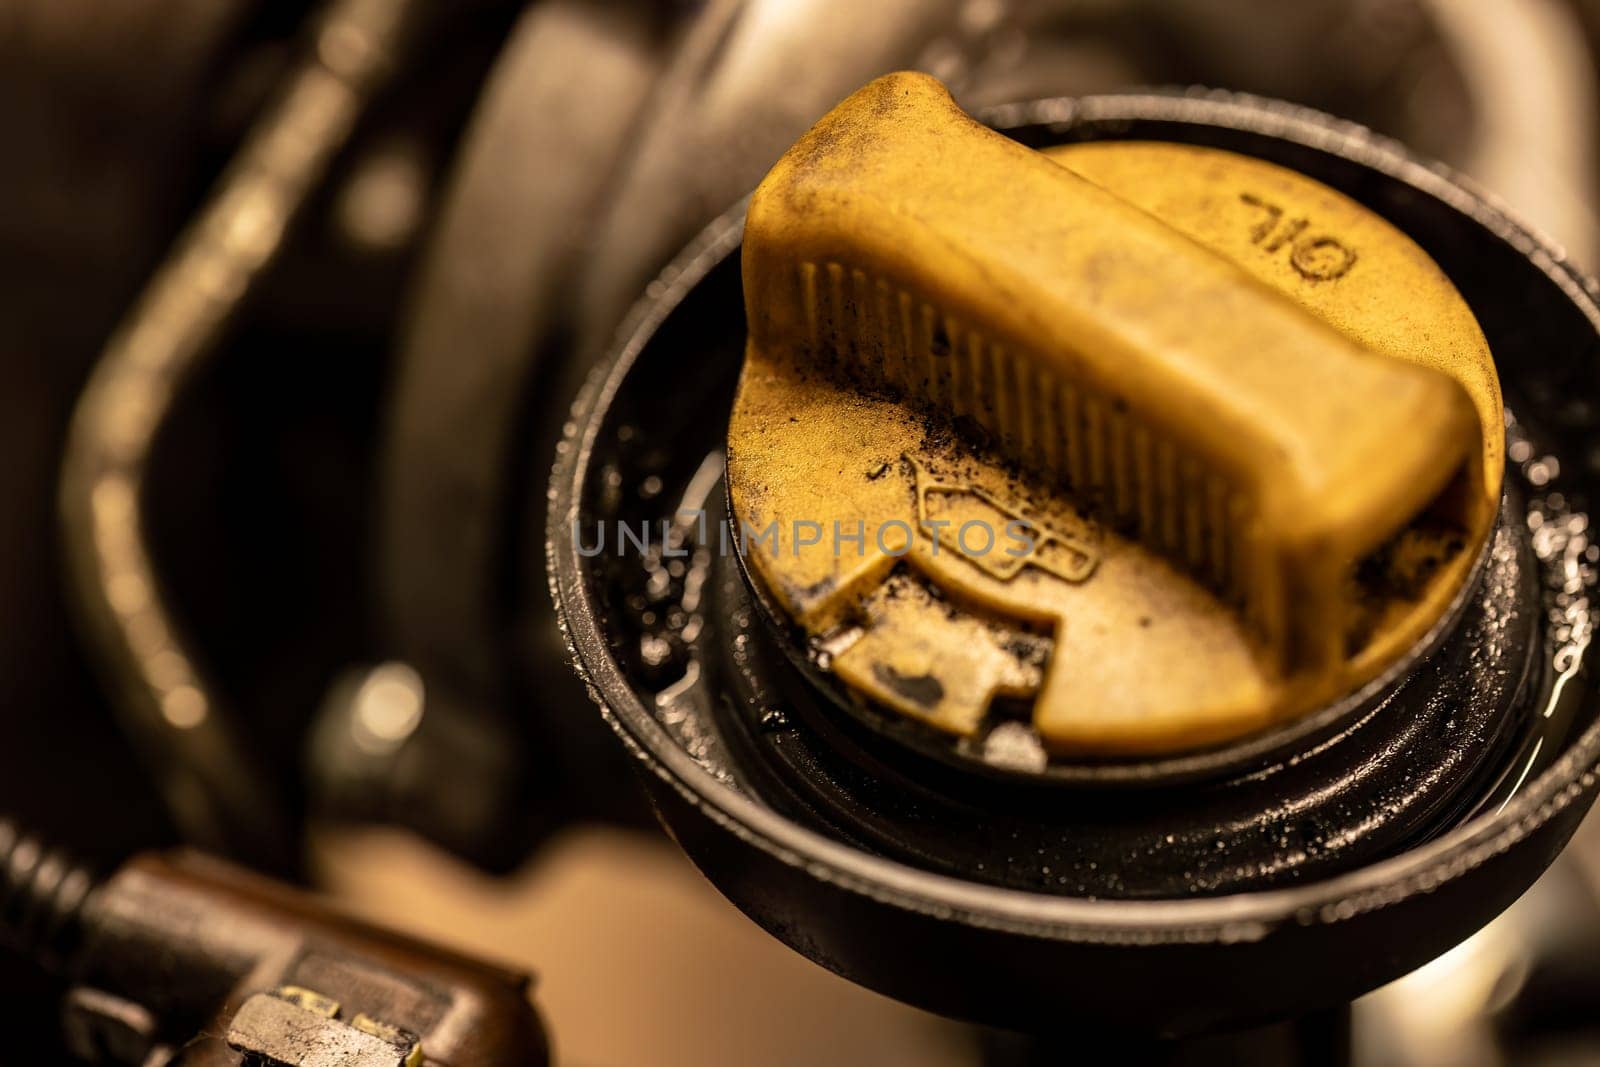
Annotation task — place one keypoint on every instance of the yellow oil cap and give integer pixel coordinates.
(1171, 443)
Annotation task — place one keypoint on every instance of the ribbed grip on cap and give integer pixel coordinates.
(909, 248)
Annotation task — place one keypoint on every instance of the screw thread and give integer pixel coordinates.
(42, 897)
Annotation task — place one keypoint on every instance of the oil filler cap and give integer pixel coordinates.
(1138, 447)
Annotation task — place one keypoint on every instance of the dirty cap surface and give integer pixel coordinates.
(1141, 454)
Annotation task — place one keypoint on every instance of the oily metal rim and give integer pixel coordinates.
(1239, 918)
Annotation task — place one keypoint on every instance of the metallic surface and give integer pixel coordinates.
(193, 942)
(288, 1028)
(217, 794)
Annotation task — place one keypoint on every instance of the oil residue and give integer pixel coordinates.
(664, 604)
(1567, 558)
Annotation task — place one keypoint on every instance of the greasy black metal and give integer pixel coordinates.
(1298, 885)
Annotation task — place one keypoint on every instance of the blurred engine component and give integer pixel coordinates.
(178, 959)
(218, 795)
